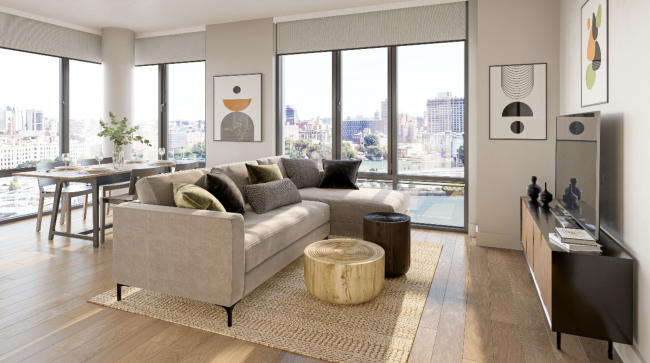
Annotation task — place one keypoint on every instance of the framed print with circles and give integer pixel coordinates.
(518, 102)
(237, 108)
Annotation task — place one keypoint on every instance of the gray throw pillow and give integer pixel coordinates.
(269, 196)
(302, 172)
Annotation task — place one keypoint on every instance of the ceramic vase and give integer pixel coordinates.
(545, 197)
(533, 189)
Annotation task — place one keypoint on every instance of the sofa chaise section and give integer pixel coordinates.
(348, 206)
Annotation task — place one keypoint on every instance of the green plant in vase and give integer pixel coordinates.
(121, 135)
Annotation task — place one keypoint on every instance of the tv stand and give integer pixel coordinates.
(582, 294)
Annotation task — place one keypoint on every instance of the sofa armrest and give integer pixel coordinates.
(190, 253)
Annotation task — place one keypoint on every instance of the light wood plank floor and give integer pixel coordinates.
(482, 307)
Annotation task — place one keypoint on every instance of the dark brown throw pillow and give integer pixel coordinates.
(225, 190)
(340, 174)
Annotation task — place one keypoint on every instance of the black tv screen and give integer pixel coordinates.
(577, 168)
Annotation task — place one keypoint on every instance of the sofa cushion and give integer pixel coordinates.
(267, 234)
(266, 197)
(277, 160)
(302, 172)
(194, 197)
(260, 174)
(157, 189)
(349, 205)
(223, 188)
(237, 172)
(340, 174)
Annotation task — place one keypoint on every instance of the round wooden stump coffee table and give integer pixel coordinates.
(344, 271)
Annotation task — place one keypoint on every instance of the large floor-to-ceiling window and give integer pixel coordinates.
(186, 111)
(87, 98)
(308, 133)
(48, 106)
(170, 110)
(364, 88)
(29, 125)
(399, 109)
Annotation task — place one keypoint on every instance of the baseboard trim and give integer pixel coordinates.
(496, 240)
(471, 229)
(628, 353)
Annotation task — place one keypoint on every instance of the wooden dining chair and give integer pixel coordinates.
(107, 188)
(136, 174)
(46, 187)
(187, 166)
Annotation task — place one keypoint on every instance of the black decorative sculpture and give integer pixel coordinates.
(545, 197)
(533, 189)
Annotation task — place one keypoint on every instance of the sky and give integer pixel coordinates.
(423, 72)
(32, 81)
(186, 92)
(29, 81)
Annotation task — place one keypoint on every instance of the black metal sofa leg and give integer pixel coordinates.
(119, 291)
(229, 312)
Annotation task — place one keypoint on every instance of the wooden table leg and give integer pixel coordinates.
(55, 209)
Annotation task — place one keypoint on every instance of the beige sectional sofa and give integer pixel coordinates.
(220, 257)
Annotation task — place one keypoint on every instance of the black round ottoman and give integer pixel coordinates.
(392, 231)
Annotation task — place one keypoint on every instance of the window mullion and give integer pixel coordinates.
(392, 112)
(162, 108)
(64, 105)
(336, 106)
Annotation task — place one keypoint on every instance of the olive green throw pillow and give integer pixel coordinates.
(194, 197)
(258, 174)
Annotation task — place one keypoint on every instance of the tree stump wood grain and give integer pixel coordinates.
(344, 271)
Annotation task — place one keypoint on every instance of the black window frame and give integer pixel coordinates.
(392, 173)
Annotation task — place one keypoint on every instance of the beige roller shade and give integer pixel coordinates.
(35, 36)
(422, 24)
(175, 48)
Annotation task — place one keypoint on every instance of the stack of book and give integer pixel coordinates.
(575, 240)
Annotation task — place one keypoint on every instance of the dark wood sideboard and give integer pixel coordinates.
(582, 294)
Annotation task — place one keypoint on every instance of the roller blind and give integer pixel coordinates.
(422, 24)
(35, 36)
(170, 49)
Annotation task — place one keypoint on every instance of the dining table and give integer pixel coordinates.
(95, 180)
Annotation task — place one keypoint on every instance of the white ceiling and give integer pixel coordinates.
(144, 16)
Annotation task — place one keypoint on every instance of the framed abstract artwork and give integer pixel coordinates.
(594, 47)
(238, 108)
(518, 102)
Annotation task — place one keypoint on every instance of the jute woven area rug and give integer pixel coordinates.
(282, 314)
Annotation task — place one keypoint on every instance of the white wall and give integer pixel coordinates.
(241, 48)
(118, 63)
(513, 32)
(472, 116)
(625, 128)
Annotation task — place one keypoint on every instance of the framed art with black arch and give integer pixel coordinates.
(237, 108)
(518, 102)
(594, 53)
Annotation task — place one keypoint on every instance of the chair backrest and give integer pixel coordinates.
(43, 182)
(87, 162)
(137, 174)
(187, 166)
